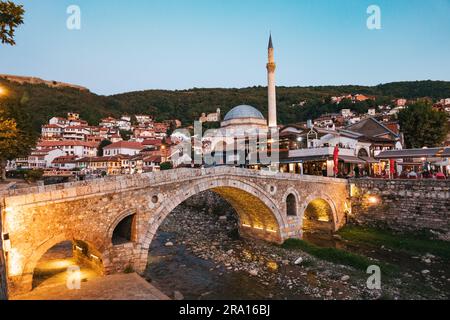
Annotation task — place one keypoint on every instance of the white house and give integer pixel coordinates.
(76, 133)
(71, 148)
(52, 131)
(140, 118)
(43, 158)
(59, 121)
(65, 162)
(123, 147)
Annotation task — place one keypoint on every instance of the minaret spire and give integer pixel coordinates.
(271, 67)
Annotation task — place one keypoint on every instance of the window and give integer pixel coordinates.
(291, 205)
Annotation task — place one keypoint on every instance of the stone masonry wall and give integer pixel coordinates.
(403, 205)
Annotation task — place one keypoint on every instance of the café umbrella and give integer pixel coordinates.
(392, 167)
(336, 160)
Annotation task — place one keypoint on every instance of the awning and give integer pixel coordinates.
(410, 163)
(350, 159)
(415, 153)
(442, 163)
(304, 159)
(369, 160)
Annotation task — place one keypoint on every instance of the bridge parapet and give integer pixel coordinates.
(114, 184)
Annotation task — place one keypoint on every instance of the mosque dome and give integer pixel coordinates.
(242, 112)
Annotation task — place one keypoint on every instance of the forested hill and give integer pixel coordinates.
(43, 102)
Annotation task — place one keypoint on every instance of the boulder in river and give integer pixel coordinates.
(177, 295)
(345, 278)
(253, 272)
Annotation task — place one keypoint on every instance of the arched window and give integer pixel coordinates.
(363, 153)
(124, 231)
(291, 205)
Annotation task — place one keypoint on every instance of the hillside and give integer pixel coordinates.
(43, 101)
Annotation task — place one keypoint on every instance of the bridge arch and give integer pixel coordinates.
(258, 214)
(319, 214)
(24, 278)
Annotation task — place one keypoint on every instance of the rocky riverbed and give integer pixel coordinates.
(198, 254)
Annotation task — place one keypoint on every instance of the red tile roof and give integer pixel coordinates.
(152, 142)
(77, 127)
(52, 126)
(155, 159)
(65, 143)
(103, 159)
(125, 145)
(65, 159)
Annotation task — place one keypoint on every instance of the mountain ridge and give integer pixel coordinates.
(44, 102)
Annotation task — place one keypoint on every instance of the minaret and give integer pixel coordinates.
(271, 66)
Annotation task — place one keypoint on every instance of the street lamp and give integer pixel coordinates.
(3, 92)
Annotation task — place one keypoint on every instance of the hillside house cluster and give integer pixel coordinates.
(71, 144)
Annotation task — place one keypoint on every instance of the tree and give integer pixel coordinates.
(126, 134)
(8, 134)
(16, 134)
(101, 146)
(166, 166)
(11, 16)
(423, 126)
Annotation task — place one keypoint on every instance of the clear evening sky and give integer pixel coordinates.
(179, 44)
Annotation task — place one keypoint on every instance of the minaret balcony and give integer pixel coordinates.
(271, 67)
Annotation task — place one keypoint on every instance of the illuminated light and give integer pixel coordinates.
(8, 210)
(247, 254)
(95, 257)
(79, 248)
(15, 263)
(353, 190)
(272, 231)
(299, 139)
(373, 200)
(259, 228)
(3, 91)
(323, 219)
(247, 225)
(347, 207)
(55, 265)
(272, 266)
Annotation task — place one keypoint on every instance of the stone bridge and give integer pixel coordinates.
(112, 221)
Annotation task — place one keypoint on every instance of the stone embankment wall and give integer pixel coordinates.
(403, 205)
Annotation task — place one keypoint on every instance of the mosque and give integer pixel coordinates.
(248, 117)
(244, 122)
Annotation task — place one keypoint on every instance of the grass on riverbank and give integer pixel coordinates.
(335, 255)
(411, 243)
